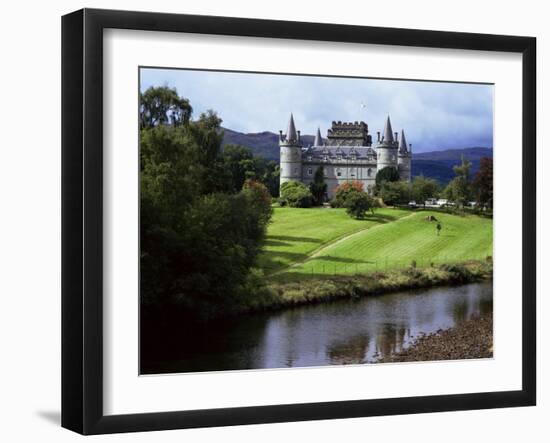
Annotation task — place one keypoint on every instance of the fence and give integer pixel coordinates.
(381, 264)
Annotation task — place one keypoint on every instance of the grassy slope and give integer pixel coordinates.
(308, 238)
(295, 234)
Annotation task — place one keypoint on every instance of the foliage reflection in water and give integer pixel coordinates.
(341, 332)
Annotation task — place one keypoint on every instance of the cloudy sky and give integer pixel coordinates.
(434, 115)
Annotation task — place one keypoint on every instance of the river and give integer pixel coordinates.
(340, 332)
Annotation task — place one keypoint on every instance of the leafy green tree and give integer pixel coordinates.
(259, 200)
(395, 193)
(459, 190)
(162, 105)
(240, 163)
(271, 177)
(483, 183)
(423, 188)
(296, 194)
(318, 188)
(387, 174)
(358, 203)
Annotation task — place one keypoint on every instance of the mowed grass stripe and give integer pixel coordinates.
(295, 233)
(398, 243)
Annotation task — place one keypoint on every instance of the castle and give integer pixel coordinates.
(346, 154)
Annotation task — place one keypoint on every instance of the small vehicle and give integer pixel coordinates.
(412, 204)
(431, 202)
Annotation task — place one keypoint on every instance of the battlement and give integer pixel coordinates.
(349, 134)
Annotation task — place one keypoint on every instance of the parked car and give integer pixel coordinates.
(412, 204)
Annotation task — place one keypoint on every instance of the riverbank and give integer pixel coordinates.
(278, 295)
(471, 339)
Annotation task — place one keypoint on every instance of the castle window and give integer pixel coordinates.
(309, 158)
(295, 170)
(338, 173)
(309, 171)
(369, 172)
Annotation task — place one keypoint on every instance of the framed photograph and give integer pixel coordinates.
(269, 221)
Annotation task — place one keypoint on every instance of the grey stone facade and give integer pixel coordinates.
(346, 154)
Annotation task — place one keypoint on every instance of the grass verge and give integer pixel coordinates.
(278, 294)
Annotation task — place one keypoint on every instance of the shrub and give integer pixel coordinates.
(296, 194)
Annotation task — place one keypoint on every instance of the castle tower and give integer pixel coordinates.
(291, 153)
(404, 159)
(386, 148)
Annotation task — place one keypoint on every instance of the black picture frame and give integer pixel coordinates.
(82, 218)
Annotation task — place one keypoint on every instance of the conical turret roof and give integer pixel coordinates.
(403, 143)
(388, 132)
(318, 139)
(291, 131)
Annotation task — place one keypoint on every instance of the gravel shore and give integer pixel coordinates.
(471, 339)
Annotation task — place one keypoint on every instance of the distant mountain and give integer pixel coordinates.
(436, 164)
(265, 144)
(439, 164)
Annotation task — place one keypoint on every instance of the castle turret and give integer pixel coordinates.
(404, 159)
(386, 148)
(318, 139)
(291, 153)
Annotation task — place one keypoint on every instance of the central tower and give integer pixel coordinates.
(291, 153)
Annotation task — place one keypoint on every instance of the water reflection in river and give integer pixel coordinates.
(343, 332)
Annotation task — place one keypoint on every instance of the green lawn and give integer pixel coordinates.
(295, 233)
(314, 242)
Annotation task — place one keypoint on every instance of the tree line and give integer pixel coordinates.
(390, 190)
(204, 210)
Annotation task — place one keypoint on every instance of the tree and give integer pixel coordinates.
(162, 105)
(395, 193)
(318, 188)
(423, 188)
(242, 165)
(296, 194)
(260, 201)
(459, 190)
(358, 203)
(343, 190)
(387, 174)
(239, 162)
(483, 183)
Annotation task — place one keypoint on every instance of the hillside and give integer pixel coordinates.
(435, 164)
(313, 242)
